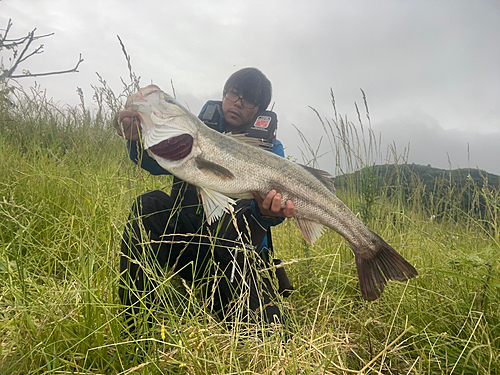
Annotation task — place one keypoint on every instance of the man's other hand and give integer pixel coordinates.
(128, 124)
(271, 205)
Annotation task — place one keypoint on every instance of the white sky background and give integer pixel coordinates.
(430, 68)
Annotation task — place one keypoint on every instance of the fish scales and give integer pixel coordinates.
(223, 167)
(289, 179)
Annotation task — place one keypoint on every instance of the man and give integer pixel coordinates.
(171, 229)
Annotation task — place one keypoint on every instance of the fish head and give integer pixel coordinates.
(168, 130)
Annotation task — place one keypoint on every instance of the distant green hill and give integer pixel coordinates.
(465, 189)
(429, 176)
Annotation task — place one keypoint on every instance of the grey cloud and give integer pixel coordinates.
(429, 143)
(435, 57)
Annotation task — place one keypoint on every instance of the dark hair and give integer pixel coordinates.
(252, 84)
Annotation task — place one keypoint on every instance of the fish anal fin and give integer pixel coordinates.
(375, 268)
(215, 204)
(214, 170)
(309, 229)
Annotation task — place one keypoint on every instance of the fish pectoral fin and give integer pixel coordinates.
(213, 170)
(310, 229)
(215, 204)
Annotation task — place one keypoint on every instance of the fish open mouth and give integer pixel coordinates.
(175, 148)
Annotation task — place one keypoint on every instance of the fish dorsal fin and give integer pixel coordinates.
(215, 204)
(251, 141)
(310, 230)
(325, 177)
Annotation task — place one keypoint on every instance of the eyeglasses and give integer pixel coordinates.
(233, 96)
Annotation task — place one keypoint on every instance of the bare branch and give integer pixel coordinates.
(29, 38)
(20, 58)
(20, 51)
(4, 37)
(74, 70)
(37, 51)
(10, 43)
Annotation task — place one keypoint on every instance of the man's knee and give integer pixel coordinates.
(149, 215)
(151, 202)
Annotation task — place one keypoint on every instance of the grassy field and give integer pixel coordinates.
(66, 186)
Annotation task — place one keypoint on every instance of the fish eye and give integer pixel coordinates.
(168, 98)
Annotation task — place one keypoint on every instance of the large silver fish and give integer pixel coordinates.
(223, 168)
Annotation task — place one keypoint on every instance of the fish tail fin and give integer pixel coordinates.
(381, 265)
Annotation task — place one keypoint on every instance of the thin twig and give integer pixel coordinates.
(73, 70)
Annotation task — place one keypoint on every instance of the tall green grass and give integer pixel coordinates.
(66, 186)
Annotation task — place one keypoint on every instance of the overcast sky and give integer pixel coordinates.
(430, 68)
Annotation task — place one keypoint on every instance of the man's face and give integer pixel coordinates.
(236, 114)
